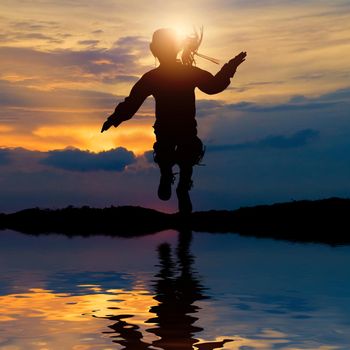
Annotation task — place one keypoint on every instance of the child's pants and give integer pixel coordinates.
(184, 150)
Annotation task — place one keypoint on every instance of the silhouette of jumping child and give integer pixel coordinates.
(172, 84)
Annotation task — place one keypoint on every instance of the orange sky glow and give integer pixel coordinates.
(64, 70)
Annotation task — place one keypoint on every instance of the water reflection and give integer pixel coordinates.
(177, 288)
(105, 293)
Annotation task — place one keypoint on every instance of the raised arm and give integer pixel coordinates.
(126, 109)
(213, 84)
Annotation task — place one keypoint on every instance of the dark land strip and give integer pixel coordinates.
(324, 221)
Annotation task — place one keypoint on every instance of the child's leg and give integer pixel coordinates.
(188, 153)
(183, 188)
(164, 154)
(165, 182)
(185, 181)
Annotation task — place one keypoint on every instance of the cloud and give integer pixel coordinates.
(340, 95)
(296, 103)
(149, 156)
(298, 139)
(27, 180)
(77, 160)
(204, 107)
(236, 124)
(27, 31)
(16, 95)
(4, 157)
(120, 78)
(66, 66)
(34, 25)
(89, 42)
(291, 106)
(97, 31)
(22, 37)
(132, 43)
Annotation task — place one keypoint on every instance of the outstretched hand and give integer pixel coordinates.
(112, 120)
(106, 125)
(237, 60)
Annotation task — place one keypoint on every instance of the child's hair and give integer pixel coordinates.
(166, 39)
(190, 47)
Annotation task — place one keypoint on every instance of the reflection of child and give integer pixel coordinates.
(172, 85)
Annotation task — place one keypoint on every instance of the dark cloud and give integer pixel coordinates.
(34, 25)
(18, 36)
(4, 157)
(204, 107)
(77, 160)
(297, 103)
(98, 31)
(88, 64)
(15, 95)
(120, 78)
(31, 29)
(132, 42)
(38, 36)
(338, 95)
(298, 139)
(310, 76)
(246, 121)
(307, 105)
(89, 42)
(251, 85)
(149, 156)
(26, 182)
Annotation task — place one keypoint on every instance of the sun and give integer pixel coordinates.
(183, 23)
(181, 31)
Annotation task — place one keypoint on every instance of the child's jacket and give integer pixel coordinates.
(173, 89)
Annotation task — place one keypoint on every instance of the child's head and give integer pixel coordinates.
(165, 44)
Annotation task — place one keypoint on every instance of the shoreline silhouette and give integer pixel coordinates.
(323, 221)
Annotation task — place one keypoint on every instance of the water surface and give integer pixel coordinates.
(172, 291)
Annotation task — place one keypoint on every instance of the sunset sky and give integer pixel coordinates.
(281, 131)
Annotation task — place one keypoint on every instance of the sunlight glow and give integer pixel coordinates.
(80, 318)
(183, 25)
(5, 128)
(137, 138)
(182, 30)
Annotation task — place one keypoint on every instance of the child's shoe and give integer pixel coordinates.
(164, 188)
